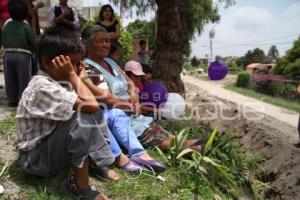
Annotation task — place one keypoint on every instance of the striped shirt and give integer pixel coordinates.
(44, 103)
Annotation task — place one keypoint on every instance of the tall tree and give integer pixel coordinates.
(256, 55)
(177, 22)
(273, 52)
(289, 65)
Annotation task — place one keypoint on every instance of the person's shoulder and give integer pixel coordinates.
(42, 81)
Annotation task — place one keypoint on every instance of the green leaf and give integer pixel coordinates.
(184, 152)
(210, 141)
(162, 154)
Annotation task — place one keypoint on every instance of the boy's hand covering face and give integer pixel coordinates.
(62, 67)
(81, 71)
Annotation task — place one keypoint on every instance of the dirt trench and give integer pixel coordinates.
(265, 136)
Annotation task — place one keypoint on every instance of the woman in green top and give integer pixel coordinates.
(18, 41)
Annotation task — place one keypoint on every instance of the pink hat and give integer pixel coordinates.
(134, 67)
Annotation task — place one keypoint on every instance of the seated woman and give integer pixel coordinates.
(122, 91)
(121, 132)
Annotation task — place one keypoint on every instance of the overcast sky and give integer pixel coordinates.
(249, 24)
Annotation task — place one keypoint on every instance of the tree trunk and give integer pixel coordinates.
(170, 41)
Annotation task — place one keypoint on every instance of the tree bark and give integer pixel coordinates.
(171, 38)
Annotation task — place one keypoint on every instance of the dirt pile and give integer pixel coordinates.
(257, 134)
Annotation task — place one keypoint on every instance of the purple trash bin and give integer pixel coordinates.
(217, 70)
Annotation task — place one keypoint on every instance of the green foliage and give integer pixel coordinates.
(273, 88)
(220, 173)
(187, 50)
(126, 42)
(289, 91)
(195, 62)
(143, 29)
(252, 56)
(221, 164)
(289, 64)
(233, 67)
(7, 126)
(243, 80)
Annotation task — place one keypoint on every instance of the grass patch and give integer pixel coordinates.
(277, 101)
(181, 181)
(8, 125)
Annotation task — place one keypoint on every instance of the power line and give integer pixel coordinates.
(259, 42)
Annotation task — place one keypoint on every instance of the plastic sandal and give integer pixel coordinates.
(152, 164)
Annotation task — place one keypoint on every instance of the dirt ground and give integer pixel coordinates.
(265, 137)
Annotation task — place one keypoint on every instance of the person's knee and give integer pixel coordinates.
(89, 119)
(117, 116)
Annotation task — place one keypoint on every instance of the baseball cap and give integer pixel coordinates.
(134, 67)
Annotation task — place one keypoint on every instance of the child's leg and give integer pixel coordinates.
(11, 79)
(71, 142)
(81, 176)
(24, 71)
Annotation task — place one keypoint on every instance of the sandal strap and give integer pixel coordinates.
(89, 193)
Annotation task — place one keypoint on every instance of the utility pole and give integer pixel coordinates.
(211, 37)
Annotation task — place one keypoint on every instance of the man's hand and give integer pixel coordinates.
(298, 89)
(62, 68)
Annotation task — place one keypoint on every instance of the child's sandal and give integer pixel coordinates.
(71, 188)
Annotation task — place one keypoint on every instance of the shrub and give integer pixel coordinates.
(233, 67)
(195, 61)
(243, 80)
(274, 88)
(126, 42)
(289, 91)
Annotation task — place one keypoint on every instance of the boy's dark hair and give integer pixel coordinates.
(56, 41)
(142, 42)
(18, 9)
(103, 8)
(114, 46)
(147, 69)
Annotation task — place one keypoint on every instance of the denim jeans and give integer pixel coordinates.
(121, 133)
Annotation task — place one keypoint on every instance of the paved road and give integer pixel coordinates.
(216, 89)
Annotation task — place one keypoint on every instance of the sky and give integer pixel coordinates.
(247, 25)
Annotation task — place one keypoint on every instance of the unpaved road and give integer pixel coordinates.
(270, 132)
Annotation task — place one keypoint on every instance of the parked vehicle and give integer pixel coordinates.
(252, 68)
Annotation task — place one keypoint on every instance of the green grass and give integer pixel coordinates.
(277, 101)
(7, 126)
(180, 184)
